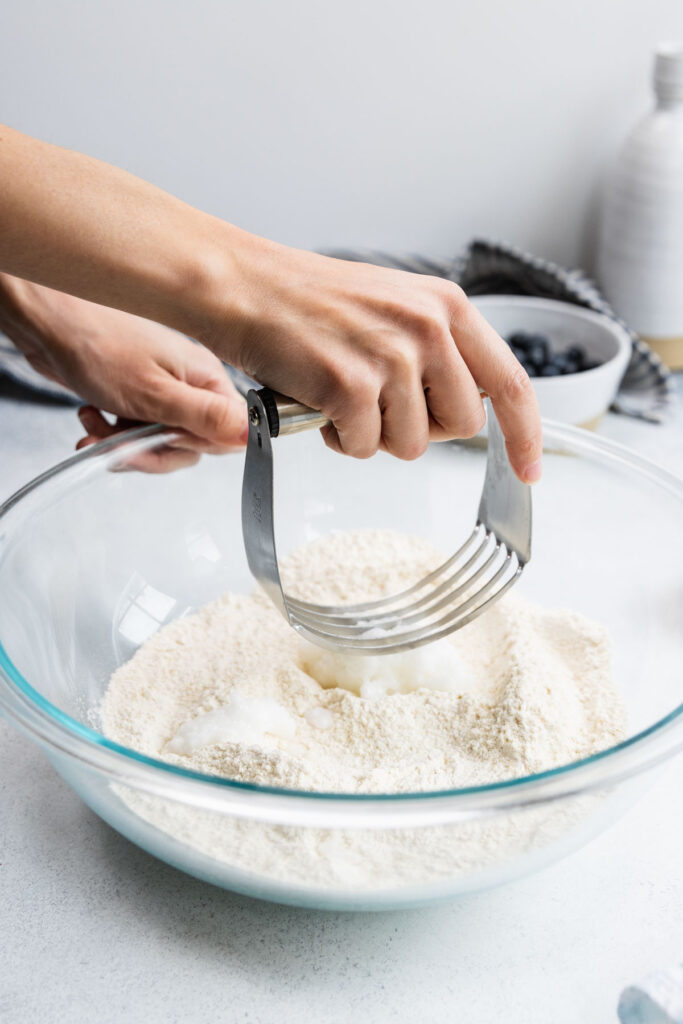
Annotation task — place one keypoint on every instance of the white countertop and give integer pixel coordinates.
(94, 929)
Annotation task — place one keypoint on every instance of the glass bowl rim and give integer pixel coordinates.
(56, 730)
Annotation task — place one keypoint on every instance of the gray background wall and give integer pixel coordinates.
(403, 125)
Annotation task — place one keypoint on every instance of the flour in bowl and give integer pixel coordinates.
(233, 691)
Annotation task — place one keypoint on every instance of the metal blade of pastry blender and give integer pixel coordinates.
(481, 570)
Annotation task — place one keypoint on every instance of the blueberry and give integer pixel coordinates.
(519, 340)
(538, 353)
(566, 362)
(534, 353)
(562, 363)
(538, 339)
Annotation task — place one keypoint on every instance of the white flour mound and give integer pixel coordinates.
(233, 691)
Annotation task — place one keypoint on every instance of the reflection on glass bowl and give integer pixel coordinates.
(92, 562)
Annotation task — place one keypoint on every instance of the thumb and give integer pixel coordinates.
(216, 416)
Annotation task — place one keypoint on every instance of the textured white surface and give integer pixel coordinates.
(93, 928)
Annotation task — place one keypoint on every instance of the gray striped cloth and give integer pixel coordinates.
(489, 267)
(485, 267)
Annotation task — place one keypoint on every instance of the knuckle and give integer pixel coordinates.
(343, 377)
(330, 437)
(402, 361)
(413, 449)
(429, 326)
(435, 334)
(516, 384)
(352, 391)
(361, 451)
(472, 421)
(364, 391)
(525, 447)
(216, 419)
(357, 445)
(213, 413)
(458, 413)
(454, 296)
(408, 447)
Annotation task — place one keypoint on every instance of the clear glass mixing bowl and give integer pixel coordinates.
(94, 559)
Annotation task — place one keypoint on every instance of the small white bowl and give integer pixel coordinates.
(576, 398)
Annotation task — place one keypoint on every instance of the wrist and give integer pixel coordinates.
(10, 304)
(214, 291)
(17, 316)
(25, 317)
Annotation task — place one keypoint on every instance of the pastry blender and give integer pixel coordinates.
(489, 562)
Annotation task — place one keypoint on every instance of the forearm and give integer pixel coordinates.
(84, 227)
(392, 359)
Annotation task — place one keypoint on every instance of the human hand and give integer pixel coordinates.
(393, 359)
(179, 453)
(125, 365)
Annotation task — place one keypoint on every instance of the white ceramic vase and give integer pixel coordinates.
(640, 255)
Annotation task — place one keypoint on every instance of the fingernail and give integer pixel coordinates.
(533, 473)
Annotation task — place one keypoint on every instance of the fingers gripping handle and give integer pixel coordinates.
(284, 415)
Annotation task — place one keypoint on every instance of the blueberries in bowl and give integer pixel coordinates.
(537, 358)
